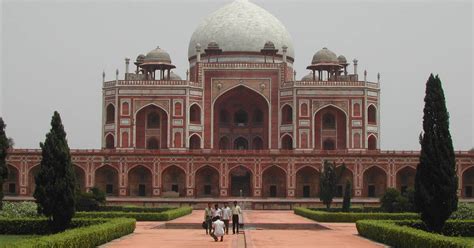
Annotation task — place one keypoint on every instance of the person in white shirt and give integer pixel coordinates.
(226, 214)
(236, 211)
(218, 229)
(217, 211)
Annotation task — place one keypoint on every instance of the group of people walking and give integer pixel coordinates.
(216, 220)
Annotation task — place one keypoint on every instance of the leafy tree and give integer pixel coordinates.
(55, 181)
(327, 183)
(346, 202)
(436, 182)
(4, 145)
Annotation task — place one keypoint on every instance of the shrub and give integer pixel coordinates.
(393, 234)
(4, 145)
(38, 226)
(392, 201)
(90, 201)
(139, 216)
(327, 183)
(83, 237)
(410, 195)
(322, 216)
(137, 209)
(353, 209)
(346, 202)
(465, 211)
(98, 195)
(85, 201)
(19, 209)
(463, 228)
(389, 199)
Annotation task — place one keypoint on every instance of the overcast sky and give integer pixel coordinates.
(53, 55)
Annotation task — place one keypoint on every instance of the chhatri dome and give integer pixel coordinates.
(241, 26)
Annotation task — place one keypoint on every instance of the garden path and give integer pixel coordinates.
(264, 228)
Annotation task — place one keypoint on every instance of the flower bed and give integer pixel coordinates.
(322, 216)
(403, 233)
(139, 216)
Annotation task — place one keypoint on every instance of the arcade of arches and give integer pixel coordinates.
(237, 181)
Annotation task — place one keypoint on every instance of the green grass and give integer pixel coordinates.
(7, 240)
(469, 239)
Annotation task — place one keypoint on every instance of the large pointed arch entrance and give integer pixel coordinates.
(239, 119)
(151, 128)
(240, 181)
(330, 128)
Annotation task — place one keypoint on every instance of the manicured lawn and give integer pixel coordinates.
(5, 240)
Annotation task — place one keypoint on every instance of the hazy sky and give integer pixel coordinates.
(53, 55)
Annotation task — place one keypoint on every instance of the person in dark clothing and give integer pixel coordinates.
(235, 217)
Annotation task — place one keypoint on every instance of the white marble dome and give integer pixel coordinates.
(241, 26)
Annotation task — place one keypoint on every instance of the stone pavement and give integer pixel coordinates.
(264, 228)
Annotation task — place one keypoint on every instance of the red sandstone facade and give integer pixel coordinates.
(240, 124)
(223, 174)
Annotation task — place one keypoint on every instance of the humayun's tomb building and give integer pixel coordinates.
(238, 125)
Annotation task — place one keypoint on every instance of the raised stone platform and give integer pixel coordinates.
(247, 203)
(253, 220)
(263, 228)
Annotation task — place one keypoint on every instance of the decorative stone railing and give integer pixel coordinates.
(331, 84)
(230, 152)
(150, 83)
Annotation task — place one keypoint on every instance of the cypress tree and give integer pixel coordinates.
(55, 181)
(327, 183)
(4, 145)
(346, 201)
(436, 182)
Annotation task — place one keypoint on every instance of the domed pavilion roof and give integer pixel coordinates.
(157, 55)
(324, 56)
(309, 77)
(342, 59)
(241, 26)
(174, 76)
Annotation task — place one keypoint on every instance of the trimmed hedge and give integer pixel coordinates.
(97, 232)
(136, 209)
(396, 234)
(322, 216)
(139, 216)
(38, 226)
(355, 209)
(464, 228)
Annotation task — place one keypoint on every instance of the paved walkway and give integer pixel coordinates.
(152, 234)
